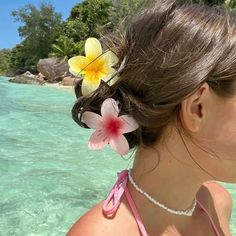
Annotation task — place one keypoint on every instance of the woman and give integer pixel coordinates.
(177, 86)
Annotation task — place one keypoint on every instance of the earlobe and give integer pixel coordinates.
(192, 109)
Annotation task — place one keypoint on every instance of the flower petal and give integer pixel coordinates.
(120, 145)
(97, 140)
(77, 64)
(73, 73)
(111, 72)
(129, 124)
(110, 58)
(113, 80)
(93, 48)
(92, 120)
(109, 107)
(89, 85)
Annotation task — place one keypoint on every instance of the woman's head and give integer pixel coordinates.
(171, 49)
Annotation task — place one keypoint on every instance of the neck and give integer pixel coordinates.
(171, 177)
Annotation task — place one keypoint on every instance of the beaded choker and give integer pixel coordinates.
(187, 212)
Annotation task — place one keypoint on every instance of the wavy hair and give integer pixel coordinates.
(171, 49)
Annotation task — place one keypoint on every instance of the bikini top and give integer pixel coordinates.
(120, 188)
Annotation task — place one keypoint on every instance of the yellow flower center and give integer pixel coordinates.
(95, 69)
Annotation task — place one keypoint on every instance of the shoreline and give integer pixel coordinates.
(54, 85)
(59, 86)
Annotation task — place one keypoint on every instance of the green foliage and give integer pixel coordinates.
(21, 60)
(44, 34)
(4, 61)
(122, 10)
(87, 18)
(75, 12)
(230, 4)
(75, 29)
(65, 48)
(39, 30)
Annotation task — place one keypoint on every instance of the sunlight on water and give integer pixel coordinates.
(48, 177)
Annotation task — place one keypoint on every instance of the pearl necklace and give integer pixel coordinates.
(187, 212)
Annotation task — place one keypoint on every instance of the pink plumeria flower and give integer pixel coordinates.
(109, 127)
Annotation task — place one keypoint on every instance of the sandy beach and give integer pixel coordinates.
(59, 86)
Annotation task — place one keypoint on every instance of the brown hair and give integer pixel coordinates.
(172, 48)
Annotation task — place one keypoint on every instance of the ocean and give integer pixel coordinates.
(48, 177)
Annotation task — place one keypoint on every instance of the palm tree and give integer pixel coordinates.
(64, 49)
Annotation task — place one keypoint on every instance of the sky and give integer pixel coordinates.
(8, 28)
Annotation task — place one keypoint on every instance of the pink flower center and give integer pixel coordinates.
(112, 126)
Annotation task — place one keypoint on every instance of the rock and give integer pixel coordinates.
(40, 76)
(27, 78)
(68, 81)
(53, 69)
(29, 74)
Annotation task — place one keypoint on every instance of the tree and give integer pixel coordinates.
(87, 19)
(122, 10)
(75, 29)
(231, 4)
(4, 61)
(20, 61)
(65, 48)
(43, 32)
(39, 30)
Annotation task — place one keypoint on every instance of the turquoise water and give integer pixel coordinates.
(48, 177)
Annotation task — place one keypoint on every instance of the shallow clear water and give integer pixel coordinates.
(48, 177)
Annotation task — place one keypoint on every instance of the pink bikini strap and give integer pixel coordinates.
(115, 195)
(135, 213)
(212, 222)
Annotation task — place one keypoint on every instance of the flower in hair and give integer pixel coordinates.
(95, 66)
(109, 127)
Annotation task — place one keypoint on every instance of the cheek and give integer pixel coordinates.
(220, 131)
(218, 138)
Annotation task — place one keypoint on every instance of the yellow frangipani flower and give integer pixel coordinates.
(94, 66)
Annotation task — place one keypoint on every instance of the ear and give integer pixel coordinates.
(193, 109)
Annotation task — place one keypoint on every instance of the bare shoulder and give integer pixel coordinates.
(218, 203)
(94, 222)
(91, 223)
(221, 198)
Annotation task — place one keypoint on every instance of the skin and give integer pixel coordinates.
(182, 167)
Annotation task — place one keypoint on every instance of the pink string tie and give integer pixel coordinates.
(115, 194)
